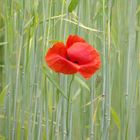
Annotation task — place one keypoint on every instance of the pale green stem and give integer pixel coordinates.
(69, 111)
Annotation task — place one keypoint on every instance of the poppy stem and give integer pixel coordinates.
(69, 111)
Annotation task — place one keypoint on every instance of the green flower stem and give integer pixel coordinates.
(69, 113)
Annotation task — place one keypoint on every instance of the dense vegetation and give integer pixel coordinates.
(33, 98)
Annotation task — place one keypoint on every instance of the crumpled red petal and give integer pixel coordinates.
(57, 48)
(89, 69)
(73, 39)
(56, 60)
(81, 53)
(62, 65)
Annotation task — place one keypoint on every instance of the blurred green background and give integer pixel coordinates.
(32, 105)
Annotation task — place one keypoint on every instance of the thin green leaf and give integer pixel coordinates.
(77, 93)
(82, 83)
(138, 9)
(82, 25)
(54, 83)
(2, 95)
(3, 43)
(115, 117)
(73, 4)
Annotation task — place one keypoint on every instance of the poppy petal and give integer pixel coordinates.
(56, 60)
(73, 39)
(89, 69)
(62, 65)
(57, 48)
(81, 53)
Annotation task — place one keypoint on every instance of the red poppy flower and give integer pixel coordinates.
(76, 56)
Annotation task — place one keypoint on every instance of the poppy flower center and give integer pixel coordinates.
(68, 58)
(76, 62)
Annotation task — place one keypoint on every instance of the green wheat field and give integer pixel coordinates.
(33, 98)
